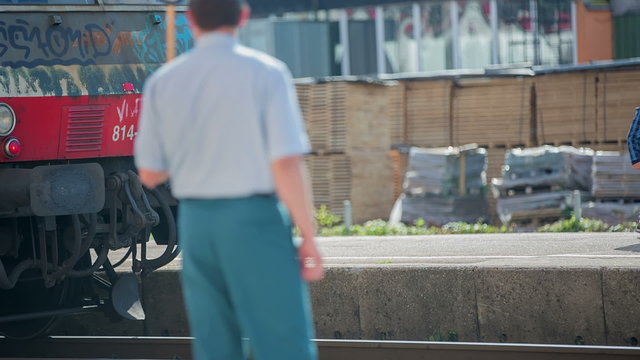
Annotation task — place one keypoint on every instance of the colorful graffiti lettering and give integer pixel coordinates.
(31, 45)
(25, 44)
(150, 45)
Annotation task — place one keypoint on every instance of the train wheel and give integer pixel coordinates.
(28, 297)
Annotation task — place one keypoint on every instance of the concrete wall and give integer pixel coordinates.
(594, 306)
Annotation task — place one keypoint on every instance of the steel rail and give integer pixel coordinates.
(179, 348)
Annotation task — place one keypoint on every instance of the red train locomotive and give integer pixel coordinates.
(71, 74)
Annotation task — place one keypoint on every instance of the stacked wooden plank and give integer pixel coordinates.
(349, 125)
(428, 115)
(444, 185)
(539, 182)
(492, 111)
(362, 177)
(396, 113)
(345, 116)
(566, 108)
(315, 102)
(616, 189)
(331, 180)
(618, 97)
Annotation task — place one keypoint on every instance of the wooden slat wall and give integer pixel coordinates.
(492, 111)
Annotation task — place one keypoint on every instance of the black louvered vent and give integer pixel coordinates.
(84, 128)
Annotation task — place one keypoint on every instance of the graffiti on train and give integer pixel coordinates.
(24, 44)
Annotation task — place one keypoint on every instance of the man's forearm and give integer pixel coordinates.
(294, 190)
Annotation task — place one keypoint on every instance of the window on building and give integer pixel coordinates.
(436, 36)
(474, 34)
(401, 47)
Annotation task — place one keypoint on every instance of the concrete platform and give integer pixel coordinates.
(531, 288)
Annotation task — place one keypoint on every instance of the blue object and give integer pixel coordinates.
(633, 139)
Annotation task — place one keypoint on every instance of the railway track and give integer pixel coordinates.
(179, 348)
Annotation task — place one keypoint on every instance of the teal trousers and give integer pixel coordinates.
(241, 279)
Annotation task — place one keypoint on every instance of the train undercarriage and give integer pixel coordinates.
(60, 227)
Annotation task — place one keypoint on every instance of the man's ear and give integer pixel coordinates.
(245, 15)
(192, 24)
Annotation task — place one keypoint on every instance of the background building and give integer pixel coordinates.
(357, 37)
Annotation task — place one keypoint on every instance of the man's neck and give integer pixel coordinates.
(225, 30)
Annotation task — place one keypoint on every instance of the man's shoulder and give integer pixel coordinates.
(169, 70)
(260, 59)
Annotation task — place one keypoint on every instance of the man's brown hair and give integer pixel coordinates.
(213, 14)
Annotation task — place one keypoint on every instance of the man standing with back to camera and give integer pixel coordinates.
(222, 123)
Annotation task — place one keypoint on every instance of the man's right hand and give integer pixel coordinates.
(310, 261)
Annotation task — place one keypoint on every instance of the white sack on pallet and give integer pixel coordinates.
(564, 166)
(437, 171)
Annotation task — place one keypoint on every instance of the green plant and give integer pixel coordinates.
(466, 228)
(575, 225)
(325, 218)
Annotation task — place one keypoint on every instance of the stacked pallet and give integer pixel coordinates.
(428, 113)
(566, 108)
(364, 178)
(349, 125)
(615, 191)
(614, 177)
(612, 212)
(537, 184)
(619, 96)
(444, 185)
(396, 113)
(345, 116)
(492, 111)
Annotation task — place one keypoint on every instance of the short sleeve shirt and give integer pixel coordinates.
(217, 117)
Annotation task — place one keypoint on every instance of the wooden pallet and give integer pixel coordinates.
(618, 96)
(428, 113)
(528, 190)
(566, 107)
(396, 112)
(345, 116)
(363, 177)
(492, 111)
(537, 218)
